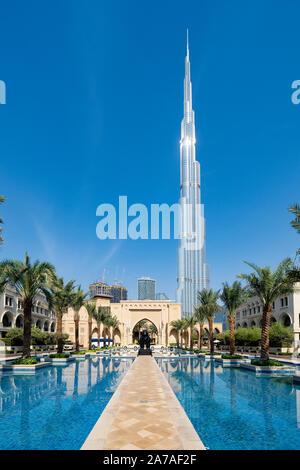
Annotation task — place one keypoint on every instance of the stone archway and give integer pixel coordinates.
(46, 326)
(38, 324)
(52, 327)
(145, 324)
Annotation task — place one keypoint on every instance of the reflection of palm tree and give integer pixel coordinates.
(24, 422)
(212, 379)
(232, 376)
(76, 380)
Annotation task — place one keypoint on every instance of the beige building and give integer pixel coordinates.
(129, 313)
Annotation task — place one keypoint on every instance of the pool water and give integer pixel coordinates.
(57, 407)
(233, 409)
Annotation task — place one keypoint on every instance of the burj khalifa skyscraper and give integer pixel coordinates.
(193, 272)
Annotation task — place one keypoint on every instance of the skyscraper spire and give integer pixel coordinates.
(187, 43)
(192, 268)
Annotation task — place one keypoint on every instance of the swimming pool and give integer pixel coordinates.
(232, 409)
(57, 407)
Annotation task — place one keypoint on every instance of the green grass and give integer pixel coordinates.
(27, 362)
(269, 363)
(233, 356)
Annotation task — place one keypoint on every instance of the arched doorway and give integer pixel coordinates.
(46, 326)
(253, 324)
(39, 324)
(52, 328)
(273, 320)
(145, 324)
(19, 321)
(7, 319)
(173, 336)
(117, 336)
(285, 319)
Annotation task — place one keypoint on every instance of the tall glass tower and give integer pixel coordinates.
(146, 288)
(193, 272)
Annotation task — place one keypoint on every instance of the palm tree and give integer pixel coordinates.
(232, 297)
(208, 300)
(91, 309)
(200, 317)
(268, 285)
(177, 325)
(295, 209)
(63, 297)
(114, 323)
(1, 221)
(107, 322)
(190, 322)
(100, 316)
(29, 280)
(77, 303)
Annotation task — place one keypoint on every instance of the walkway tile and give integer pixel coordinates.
(143, 413)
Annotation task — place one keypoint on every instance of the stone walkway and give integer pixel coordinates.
(143, 413)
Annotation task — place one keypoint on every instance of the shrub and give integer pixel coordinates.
(14, 337)
(279, 335)
(247, 336)
(29, 361)
(269, 363)
(59, 355)
(233, 356)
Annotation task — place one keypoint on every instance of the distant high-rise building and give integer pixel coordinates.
(193, 272)
(114, 292)
(146, 288)
(161, 296)
(118, 293)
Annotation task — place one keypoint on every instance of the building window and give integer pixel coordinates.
(273, 305)
(19, 304)
(258, 309)
(8, 301)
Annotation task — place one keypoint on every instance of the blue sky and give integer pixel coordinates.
(94, 105)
